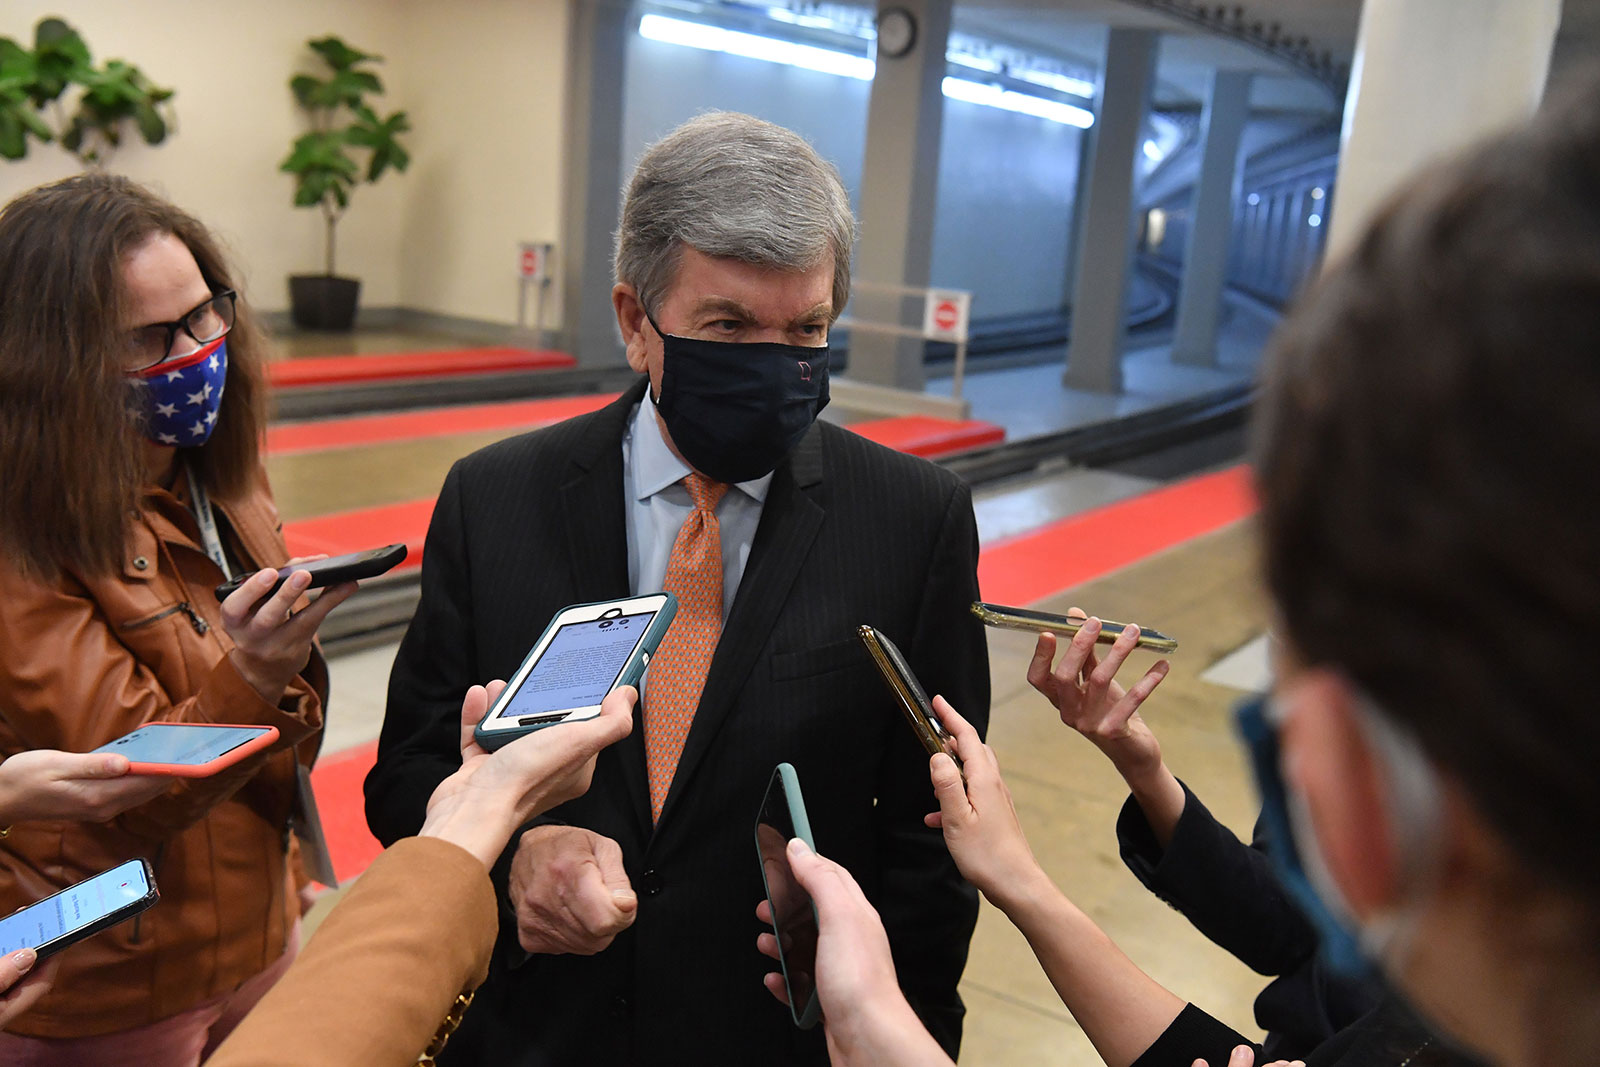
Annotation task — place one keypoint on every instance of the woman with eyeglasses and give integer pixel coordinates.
(1424, 459)
(131, 411)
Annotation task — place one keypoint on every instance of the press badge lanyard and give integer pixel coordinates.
(306, 822)
(200, 504)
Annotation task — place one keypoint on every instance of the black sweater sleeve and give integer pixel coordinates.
(1193, 1035)
(1226, 888)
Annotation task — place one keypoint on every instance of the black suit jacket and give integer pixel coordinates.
(851, 533)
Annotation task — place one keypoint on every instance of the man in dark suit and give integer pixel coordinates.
(628, 931)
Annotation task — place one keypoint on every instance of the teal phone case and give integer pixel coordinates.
(804, 1017)
(632, 671)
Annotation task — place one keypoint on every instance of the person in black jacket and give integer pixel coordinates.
(625, 935)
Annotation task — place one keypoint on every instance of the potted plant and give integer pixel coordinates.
(33, 82)
(326, 167)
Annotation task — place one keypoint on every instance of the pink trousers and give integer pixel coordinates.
(185, 1040)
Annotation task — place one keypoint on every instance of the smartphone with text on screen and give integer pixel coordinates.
(586, 651)
(794, 917)
(81, 910)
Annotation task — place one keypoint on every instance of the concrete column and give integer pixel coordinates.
(592, 174)
(1205, 259)
(899, 192)
(1431, 76)
(1080, 180)
(1105, 244)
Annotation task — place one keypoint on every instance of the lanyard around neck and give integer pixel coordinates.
(200, 504)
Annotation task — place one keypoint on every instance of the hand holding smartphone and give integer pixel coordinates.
(1002, 617)
(794, 916)
(331, 571)
(586, 651)
(908, 693)
(189, 749)
(80, 910)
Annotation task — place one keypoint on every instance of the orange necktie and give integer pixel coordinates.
(678, 671)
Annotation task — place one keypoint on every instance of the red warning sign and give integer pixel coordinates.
(945, 314)
(533, 260)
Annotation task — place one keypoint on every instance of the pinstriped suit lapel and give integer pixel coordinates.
(790, 520)
(597, 555)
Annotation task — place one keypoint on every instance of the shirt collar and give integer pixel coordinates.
(655, 467)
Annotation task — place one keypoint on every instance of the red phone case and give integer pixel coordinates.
(222, 762)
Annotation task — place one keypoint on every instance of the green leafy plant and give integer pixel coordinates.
(34, 82)
(343, 126)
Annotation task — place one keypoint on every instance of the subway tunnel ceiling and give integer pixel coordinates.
(1075, 31)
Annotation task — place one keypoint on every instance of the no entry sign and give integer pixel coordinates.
(945, 314)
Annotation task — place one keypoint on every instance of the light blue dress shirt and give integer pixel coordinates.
(658, 504)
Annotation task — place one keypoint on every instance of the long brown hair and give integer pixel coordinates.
(71, 460)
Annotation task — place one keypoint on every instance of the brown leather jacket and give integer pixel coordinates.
(85, 659)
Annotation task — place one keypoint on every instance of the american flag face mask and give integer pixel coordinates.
(181, 398)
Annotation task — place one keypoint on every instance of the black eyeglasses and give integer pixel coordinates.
(155, 344)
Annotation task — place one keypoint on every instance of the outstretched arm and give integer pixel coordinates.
(1121, 1009)
(416, 929)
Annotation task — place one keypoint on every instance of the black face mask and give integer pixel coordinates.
(735, 410)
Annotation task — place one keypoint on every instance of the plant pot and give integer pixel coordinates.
(323, 301)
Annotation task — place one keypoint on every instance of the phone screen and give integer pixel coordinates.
(57, 918)
(181, 744)
(579, 666)
(793, 917)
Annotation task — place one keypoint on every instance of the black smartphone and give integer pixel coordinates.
(794, 917)
(908, 693)
(331, 571)
(81, 910)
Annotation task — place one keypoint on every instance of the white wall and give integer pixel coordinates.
(482, 82)
(485, 87)
(230, 64)
(1006, 181)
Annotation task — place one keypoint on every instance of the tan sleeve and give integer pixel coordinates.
(377, 978)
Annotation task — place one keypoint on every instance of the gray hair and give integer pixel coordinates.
(733, 186)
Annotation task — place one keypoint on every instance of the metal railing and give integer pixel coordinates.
(955, 328)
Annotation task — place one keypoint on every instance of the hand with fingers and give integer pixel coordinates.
(86, 786)
(570, 890)
(23, 981)
(979, 820)
(481, 805)
(1245, 1056)
(865, 1016)
(272, 641)
(1084, 689)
